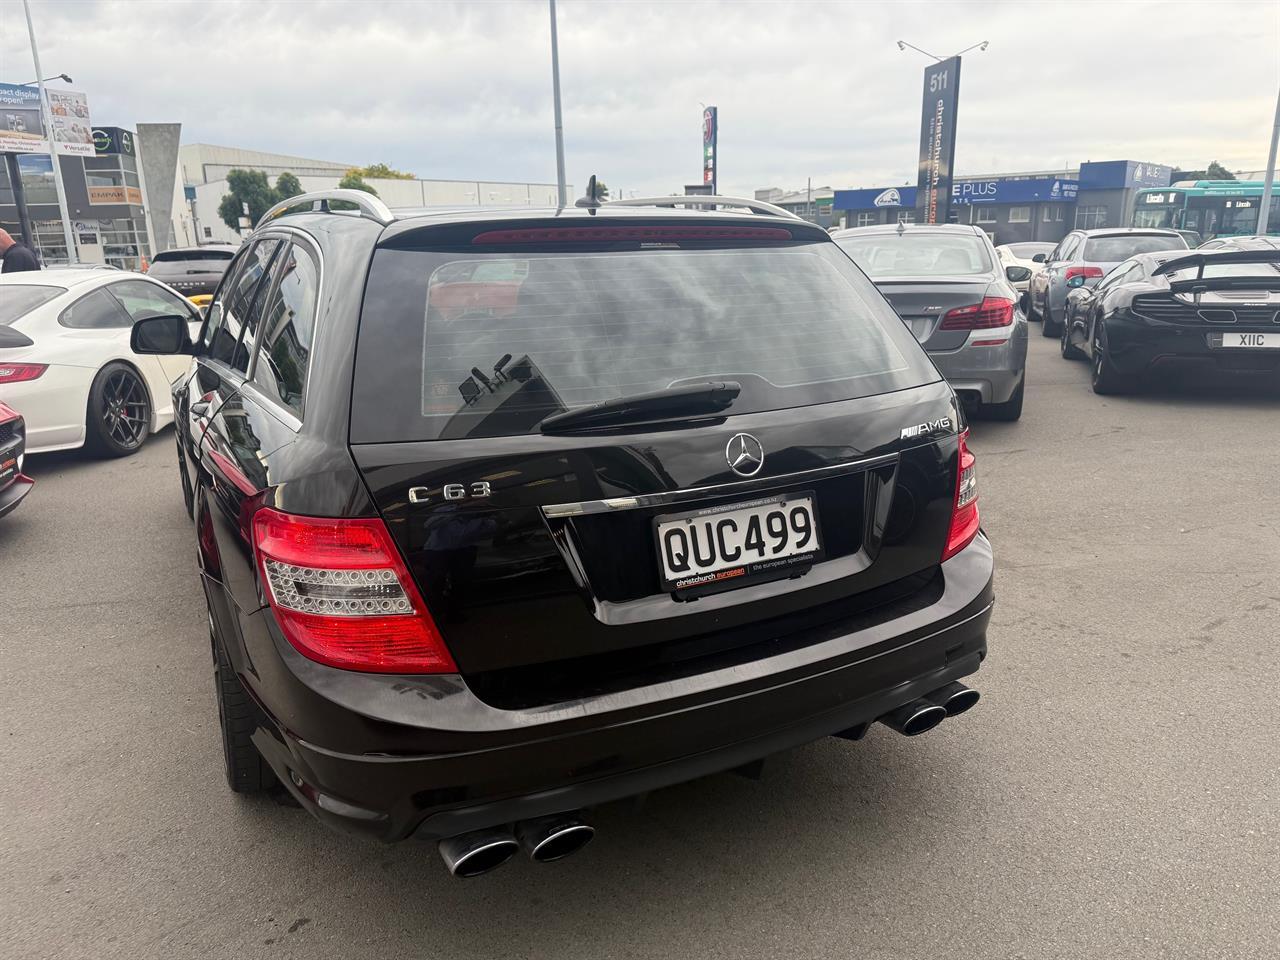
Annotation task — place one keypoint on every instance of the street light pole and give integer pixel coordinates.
(1264, 208)
(561, 191)
(53, 153)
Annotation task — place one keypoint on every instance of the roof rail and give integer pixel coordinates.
(755, 206)
(318, 202)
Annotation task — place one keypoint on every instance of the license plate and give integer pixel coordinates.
(718, 548)
(1251, 341)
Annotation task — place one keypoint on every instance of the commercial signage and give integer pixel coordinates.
(874, 197)
(1028, 190)
(710, 131)
(115, 194)
(113, 140)
(23, 131)
(937, 140)
(1149, 175)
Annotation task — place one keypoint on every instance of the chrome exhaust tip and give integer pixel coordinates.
(955, 698)
(914, 718)
(471, 854)
(552, 838)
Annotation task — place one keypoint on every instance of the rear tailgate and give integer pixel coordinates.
(539, 554)
(923, 302)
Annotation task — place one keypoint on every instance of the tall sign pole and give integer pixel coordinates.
(1264, 208)
(710, 134)
(561, 191)
(937, 140)
(47, 118)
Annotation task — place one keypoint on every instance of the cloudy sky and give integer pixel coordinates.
(462, 90)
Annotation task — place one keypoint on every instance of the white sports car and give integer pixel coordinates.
(65, 361)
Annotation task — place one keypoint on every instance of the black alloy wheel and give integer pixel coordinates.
(1105, 378)
(1068, 350)
(119, 415)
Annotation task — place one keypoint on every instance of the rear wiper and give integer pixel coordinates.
(687, 400)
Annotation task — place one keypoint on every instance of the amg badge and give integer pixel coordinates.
(921, 429)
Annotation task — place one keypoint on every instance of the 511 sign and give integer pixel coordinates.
(937, 140)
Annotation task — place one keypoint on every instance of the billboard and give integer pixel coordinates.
(710, 131)
(23, 132)
(937, 140)
(111, 140)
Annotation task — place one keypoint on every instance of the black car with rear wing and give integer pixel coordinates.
(504, 515)
(14, 485)
(1158, 313)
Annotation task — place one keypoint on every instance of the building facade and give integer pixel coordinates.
(1011, 207)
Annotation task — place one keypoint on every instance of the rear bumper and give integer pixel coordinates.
(991, 373)
(53, 406)
(1137, 348)
(13, 493)
(433, 760)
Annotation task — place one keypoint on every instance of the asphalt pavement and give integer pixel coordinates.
(1116, 794)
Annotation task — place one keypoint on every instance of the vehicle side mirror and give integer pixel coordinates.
(164, 335)
(1076, 281)
(1017, 274)
(1040, 258)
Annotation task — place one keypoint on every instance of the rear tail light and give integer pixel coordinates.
(991, 312)
(21, 372)
(343, 596)
(964, 514)
(1089, 273)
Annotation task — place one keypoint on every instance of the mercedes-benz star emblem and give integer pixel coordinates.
(745, 455)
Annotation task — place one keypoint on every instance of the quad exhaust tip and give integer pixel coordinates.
(546, 839)
(471, 854)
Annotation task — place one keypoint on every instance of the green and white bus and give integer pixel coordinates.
(1212, 208)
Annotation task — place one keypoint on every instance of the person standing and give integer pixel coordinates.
(16, 256)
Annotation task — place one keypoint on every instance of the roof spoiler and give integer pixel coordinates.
(1199, 261)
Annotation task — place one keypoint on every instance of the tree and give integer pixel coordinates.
(1215, 171)
(354, 180)
(380, 171)
(247, 186)
(602, 190)
(287, 186)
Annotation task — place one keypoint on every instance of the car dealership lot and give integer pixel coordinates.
(1116, 792)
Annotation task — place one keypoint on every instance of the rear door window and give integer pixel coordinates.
(467, 344)
(288, 328)
(237, 306)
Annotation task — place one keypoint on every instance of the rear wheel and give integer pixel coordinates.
(238, 717)
(1068, 349)
(1049, 328)
(1105, 378)
(1008, 411)
(1030, 311)
(119, 413)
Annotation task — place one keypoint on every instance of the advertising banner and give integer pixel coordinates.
(23, 132)
(111, 140)
(937, 140)
(115, 194)
(710, 131)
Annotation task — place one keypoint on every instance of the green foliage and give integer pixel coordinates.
(602, 190)
(380, 171)
(1215, 171)
(247, 186)
(287, 186)
(354, 180)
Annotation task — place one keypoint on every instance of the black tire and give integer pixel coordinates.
(1068, 350)
(118, 418)
(1106, 380)
(1031, 307)
(238, 717)
(188, 495)
(1008, 411)
(1049, 327)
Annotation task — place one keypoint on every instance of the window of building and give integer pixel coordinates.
(906, 216)
(1052, 213)
(953, 215)
(1091, 217)
(984, 215)
(124, 242)
(208, 232)
(866, 219)
(1019, 214)
(288, 323)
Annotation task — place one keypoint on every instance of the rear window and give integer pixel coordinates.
(213, 257)
(468, 344)
(17, 300)
(1025, 251)
(1109, 249)
(918, 254)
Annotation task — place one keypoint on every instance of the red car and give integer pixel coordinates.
(14, 485)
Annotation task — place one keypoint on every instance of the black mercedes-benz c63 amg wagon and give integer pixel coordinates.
(503, 515)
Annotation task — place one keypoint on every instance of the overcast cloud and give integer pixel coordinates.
(462, 90)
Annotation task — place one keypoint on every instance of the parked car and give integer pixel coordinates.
(14, 486)
(946, 283)
(1089, 254)
(193, 271)
(1163, 311)
(1224, 244)
(1020, 261)
(696, 497)
(65, 362)
(1191, 236)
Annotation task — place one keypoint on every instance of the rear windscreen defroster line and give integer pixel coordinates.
(482, 344)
